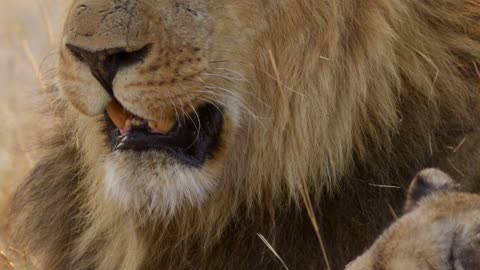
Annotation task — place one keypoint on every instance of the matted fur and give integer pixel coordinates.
(341, 98)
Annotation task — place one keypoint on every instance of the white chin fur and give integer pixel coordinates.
(154, 185)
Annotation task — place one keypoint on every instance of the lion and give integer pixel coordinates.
(440, 230)
(184, 129)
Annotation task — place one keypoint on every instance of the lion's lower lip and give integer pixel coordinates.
(192, 141)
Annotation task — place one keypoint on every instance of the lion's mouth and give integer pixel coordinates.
(191, 139)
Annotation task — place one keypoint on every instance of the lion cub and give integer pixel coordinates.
(440, 230)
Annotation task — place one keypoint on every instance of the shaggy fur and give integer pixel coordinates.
(339, 98)
(439, 232)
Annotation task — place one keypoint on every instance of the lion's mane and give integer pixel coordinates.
(360, 93)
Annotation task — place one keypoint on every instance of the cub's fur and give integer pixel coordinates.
(441, 230)
(343, 99)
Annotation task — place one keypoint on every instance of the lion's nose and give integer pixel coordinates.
(105, 64)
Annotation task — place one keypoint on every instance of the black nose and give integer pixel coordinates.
(105, 64)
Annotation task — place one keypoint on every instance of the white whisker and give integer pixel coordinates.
(263, 71)
(177, 117)
(234, 72)
(199, 125)
(228, 78)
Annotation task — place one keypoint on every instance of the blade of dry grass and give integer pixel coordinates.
(31, 58)
(308, 205)
(21, 254)
(303, 190)
(46, 20)
(270, 247)
(5, 260)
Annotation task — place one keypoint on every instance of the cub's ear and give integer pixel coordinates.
(426, 183)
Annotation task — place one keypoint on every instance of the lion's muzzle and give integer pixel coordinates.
(105, 64)
(190, 138)
(145, 66)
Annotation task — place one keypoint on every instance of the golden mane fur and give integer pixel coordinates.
(336, 98)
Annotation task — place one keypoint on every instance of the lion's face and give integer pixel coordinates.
(163, 75)
(233, 93)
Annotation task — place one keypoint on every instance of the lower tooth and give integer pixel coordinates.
(136, 122)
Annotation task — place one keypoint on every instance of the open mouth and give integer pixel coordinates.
(191, 139)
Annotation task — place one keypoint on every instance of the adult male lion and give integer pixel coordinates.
(221, 114)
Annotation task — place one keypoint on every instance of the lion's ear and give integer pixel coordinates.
(426, 183)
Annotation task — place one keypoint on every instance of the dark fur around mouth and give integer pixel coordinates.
(192, 141)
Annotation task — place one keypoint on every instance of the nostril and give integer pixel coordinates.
(125, 59)
(105, 64)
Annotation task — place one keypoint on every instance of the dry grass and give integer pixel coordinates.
(27, 37)
(304, 192)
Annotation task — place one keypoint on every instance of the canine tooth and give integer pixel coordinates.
(117, 114)
(165, 126)
(152, 124)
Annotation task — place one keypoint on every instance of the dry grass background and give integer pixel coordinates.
(28, 38)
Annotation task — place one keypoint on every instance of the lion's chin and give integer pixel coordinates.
(153, 184)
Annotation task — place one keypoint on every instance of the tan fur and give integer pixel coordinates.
(441, 231)
(337, 97)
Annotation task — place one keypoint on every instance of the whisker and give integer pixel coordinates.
(220, 61)
(50, 54)
(183, 110)
(211, 86)
(177, 117)
(234, 72)
(263, 71)
(228, 78)
(223, 51)
(181, 102)
(199, 125)
(236, 95)
(213, 103)
(231, 92)
(241, 104)
(253, 116)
